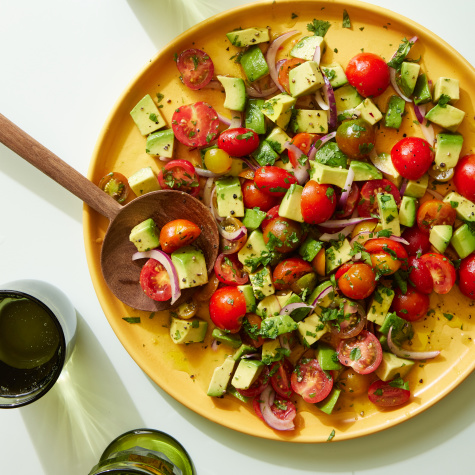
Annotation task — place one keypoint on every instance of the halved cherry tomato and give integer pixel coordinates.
(271, 214)
(368, 204)
(288, 271)
(253, 197)
(418, 241)
(238, 142)
(352, 324)
(228, 270)
(285, 69)
(310, 381)
(227, 308)
(368, 73)
(420, 276)
(412, 157)
(256, 404)
(196, 68)
(464, 177)
(318, 202)
(467, 276)
(384, 264)
(441, 270)
(258, 385)
(383, 394)
(231, 224)
(195, 125)
(283, 233)
(412, 305)
(304, 142)
(274, 181)
(358, 281)
(319, 262)
(353, 383)
(179, 175)
(362, 352)
(116, 185)
(434, 212)
(155, 281)
(281, 372)
(352, 201)
(178, 233)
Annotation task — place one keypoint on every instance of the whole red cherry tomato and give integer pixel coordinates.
(238, 142)
(467, 276)
(227, 308)
(318, 202)
(412, 157)
(274, 181)
(464, 178)
(368, 73)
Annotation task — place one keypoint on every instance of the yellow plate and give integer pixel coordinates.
(184, 371)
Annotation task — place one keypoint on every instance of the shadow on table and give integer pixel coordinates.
(87, 408)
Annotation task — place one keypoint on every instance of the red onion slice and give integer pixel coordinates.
(317, 56)
(323, 294)
(252, 92)
(167, 263)
(345, 232)
(165, 159)
(339, 223)
(362, 237)
(413, 355)
(301, 172)
(420, 112)
(322, 101)
(319, 143)
(436, 195)
(288, 309)
(266, 401)
(347, 188)
(233, 236)
(207, 190)
(272, 53)
(404, 183)
(398, 239)
(330, 96)
(236, 120)
(224, 119)
(212, 207)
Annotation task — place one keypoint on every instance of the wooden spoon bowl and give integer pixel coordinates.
(120, 272)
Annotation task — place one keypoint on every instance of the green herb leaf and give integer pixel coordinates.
(319, 27)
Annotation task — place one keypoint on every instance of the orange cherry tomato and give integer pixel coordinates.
(178, 233)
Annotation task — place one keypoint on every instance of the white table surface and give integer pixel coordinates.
(64, 63)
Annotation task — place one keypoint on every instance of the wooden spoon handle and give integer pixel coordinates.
(46, 161)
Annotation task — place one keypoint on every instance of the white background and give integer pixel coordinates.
(63, 64)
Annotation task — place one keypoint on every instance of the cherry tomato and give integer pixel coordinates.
(418, 241)
(363, 352)
(304, 142)
(368, 73)
(353, 383)
(420, 276)
(227, 308)
(434, 212)
(238, 142)
(256, 404)
(289, 271)
(352, 324)
(282, 408)
(383, 394)
(258, 385)
(284, 234)
(384, 264)
(195, 125)
(310, 381)
(318, 202)
(285, 69)
(412, 157)
(274, 181)
(155, 281)
(178, 233)
(464, 177)
(412, 305)
(228, 270)
(230, 225)
(205, 292)
(319, 262)
(217, 161)
(389, 246)
(352, 201)
(196, 68)
(342, 269)
(281, 372)
(467, 276)
(442, 271)
(368, 204)
(271, 214)
(358, 282)
(254, 197)
(355, 138)
(250, 330)
(179, 175)
(116, 185)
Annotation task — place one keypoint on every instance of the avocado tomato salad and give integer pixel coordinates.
(329, 250)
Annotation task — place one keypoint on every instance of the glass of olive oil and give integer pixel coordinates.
(144, 452)
(37, 334)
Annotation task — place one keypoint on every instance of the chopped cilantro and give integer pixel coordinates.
(131, 319)
(319, 27)
(346, 20)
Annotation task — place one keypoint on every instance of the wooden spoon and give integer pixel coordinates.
(120, 272)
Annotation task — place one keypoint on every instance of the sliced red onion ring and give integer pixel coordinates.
(330, 97)
(322, 294)
(224, 119)
(413, 355)
(288, 309)
(165, 159)
(250, 164)
(420, 112)
(317, 56)
(272, 53)
(404, 183)
(321, 100)
(207, 173)
(398, 239)
(233, 236)
(167, 263)
(214, 345)
(319, 143)
(436, 195)
(212, 207)
(301, 172)
(266, 401)
(345, 232)
(338, 223)
(208, 188)
(347, 188)
(214, 84)
(253, 92)
(236, 120)
(426, 127)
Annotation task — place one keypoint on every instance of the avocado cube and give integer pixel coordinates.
(311, 329)
(254, 64)
(231, 339)
(235, 93)
(145, 235)
(248, 37)
(336, 256)
(347, 97)
(401, 329)
(221, 377)
(327, 358)
(407, 77)
(237, 166)
(407, 211)
(329, 403)
(290, 205)
(272, 327)
(446, 116)
(229, 197)
(265, 154)
(305, 79)
(243, 350)
(254, 118)
(393, 117)
(417, 188)
(143, 181)
(248, 297)
(335, 74)
(277, 139)
(328, 175)
(463, 241)
(254, 248)
(147, 116)
(310, 248)
(246, 373)
(188, 331)
(190, 266)
(270, 351)
(305, 48)
(268, 307)
(384, 163)
(364, 171)
(380, 304)
(391, 366)
(321, 302)
(261, 282)
(440, 236)
(161, 143)
(279, 109)
(369, 111)
(447, 87)
(234, 392)
(422, 94)
(253, 218)
(447, 150)
(310, 121)
(388, 213)
(464, 208)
